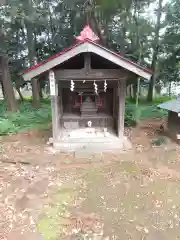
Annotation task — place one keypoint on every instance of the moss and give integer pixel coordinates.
(52, 221)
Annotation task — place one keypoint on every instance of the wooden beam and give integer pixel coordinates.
(114, 101)
(88, 84)
(87, 62)
(93, 74)
(55, 117)
(121, 107)
(60, 99)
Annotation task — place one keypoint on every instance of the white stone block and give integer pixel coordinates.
(105, 130)
(106, 134)
(178, 136)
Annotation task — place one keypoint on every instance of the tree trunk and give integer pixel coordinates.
(155, 52)
(7, 85)
(131, 91)
(170, 89)
(134, 91)
(28, 5)
(35, 93)
(98, 29)
(20, 94)
(153, 78)
(40, 89)
(3, 92)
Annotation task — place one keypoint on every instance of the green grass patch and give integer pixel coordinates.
(144, 110)
(26, 118)
(152, 111)
(159, 141)
(51, 223)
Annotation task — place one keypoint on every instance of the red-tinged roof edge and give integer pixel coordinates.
(79, 43)
(124, 58)
(52, 57)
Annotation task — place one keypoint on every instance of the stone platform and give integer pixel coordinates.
(91, 140)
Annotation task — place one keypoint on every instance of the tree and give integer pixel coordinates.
(44, 27)
(6, 82)
(155, 50)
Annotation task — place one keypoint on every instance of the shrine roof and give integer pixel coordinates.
(171, 105)
(86, 42)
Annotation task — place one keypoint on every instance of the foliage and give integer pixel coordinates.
(27, 117)
(133, 114)
(32, 30)
(158, 142)
(130, 115)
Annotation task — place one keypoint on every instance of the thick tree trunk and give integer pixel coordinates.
(35, 93)
(31, 49)
(155, 52)
(153, 79)
(97, 28)
(7, 85)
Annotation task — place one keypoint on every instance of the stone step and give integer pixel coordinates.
(89, 146)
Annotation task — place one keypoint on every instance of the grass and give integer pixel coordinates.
(143, 111)
(51, 224)
(151, 111)
(28, 117)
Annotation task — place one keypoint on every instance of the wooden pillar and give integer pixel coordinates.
(35, 93)
(54, 106)
(114, 102)
(121, 107)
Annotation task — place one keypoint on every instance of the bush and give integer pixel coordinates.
(162, 99)
(159, 141)
(144, 111)
(27, 117)
(130, 115)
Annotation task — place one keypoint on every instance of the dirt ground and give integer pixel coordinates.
(128, 195)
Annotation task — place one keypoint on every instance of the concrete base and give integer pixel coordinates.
(93, 141)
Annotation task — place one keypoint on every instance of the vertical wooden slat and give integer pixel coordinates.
(121, 107)
(55, 123)
(114, 102)
(60, 102)
(87, 62)
(54, 106)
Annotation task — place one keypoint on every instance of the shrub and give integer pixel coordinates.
(159, 141)
(130, 115)
(27, 117)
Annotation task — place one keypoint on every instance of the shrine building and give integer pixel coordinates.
(88, 91)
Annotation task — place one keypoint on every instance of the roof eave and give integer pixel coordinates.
(82, 47)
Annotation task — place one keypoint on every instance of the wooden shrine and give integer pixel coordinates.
(87, 86)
